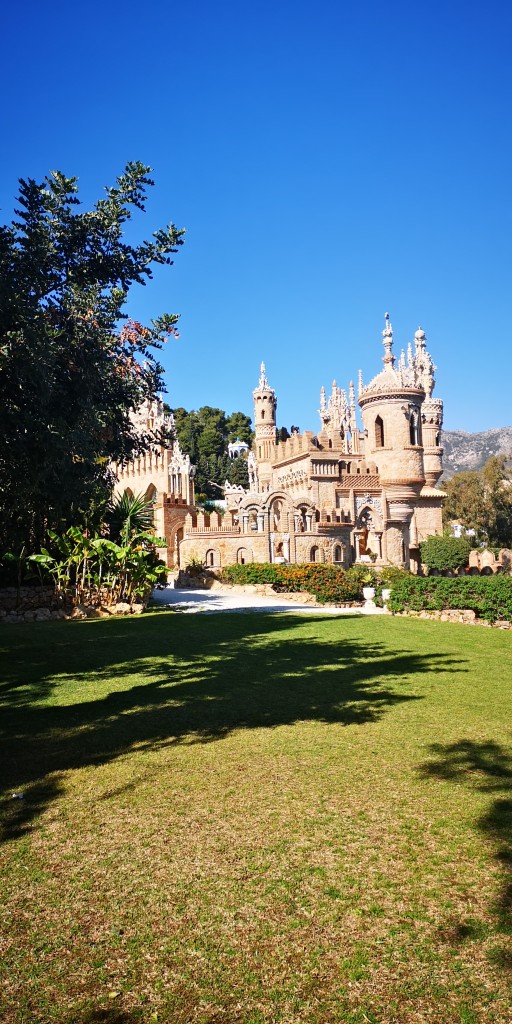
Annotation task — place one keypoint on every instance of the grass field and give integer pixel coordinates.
(248, 819)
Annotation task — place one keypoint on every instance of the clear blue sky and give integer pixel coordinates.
(329, 160)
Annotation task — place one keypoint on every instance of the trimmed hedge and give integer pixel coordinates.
(489, 596)
(328, 583)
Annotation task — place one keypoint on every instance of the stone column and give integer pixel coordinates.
(395, 544)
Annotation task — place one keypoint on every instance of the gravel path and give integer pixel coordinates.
(213, 601)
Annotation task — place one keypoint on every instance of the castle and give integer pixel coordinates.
(341, 496)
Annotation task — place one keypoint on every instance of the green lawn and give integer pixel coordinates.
(248, 819)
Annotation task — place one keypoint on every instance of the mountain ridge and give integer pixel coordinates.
(464, 450)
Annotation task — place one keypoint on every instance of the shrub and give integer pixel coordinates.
(328, 583)
(489, 596)
(445, 552)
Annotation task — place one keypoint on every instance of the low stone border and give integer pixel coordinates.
(79, 611)
(464, 616)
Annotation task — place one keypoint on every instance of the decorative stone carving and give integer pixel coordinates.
(368, 499)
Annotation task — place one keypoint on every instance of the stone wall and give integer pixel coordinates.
(32, 603)
(40, 604)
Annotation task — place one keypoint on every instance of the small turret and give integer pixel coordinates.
(431, 411)
(338, 417)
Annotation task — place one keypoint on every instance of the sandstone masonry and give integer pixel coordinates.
(344, 495)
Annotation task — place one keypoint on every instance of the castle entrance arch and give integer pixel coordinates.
(368, 532)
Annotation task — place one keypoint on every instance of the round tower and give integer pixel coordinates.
(391, 410)
(265, 405)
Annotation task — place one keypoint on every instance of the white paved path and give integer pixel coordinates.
(215, 601)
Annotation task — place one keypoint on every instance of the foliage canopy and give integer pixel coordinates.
(69, 376)
(204, 435)
(481, 500)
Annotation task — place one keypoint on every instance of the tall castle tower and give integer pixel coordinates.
(391, 409)
(265, 404)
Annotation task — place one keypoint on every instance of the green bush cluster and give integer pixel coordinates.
(328, 583)
(117, 562)
(445, 552)
(489, 596)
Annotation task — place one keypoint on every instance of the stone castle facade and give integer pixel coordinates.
(343, 496)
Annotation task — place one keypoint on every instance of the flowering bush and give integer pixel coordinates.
(328, 583)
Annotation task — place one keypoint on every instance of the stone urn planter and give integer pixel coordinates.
(386, 594)
(368, 593)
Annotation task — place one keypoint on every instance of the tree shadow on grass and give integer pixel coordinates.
(486, 767)
(109, 1015)
(168, 681)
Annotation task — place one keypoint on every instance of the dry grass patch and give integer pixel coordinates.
(254, 819)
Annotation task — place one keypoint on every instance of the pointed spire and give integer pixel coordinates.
(359, 383)
(352, 396)
(409, 355)
(322, 398)
(263, 382)
(387, 335)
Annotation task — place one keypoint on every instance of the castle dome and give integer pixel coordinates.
(397, 375)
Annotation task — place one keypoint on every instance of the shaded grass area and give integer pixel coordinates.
(255, 818)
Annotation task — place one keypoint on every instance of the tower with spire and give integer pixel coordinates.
(265, 405)
(402, 434)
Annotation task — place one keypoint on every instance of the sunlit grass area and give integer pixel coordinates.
(256, 818)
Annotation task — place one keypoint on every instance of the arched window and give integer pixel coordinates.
(212, 558)
(379, 432)
(263, 414)
(314, 555)
(337, 554)
(414, 433)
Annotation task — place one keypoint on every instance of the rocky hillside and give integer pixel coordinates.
(470, 451)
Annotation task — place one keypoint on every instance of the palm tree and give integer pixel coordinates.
(130, 516)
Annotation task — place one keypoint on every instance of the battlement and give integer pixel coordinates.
(172, 500)
(333, 517)
(154, 460)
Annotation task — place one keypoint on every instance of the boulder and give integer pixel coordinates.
(79, 612)
(121, 608)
